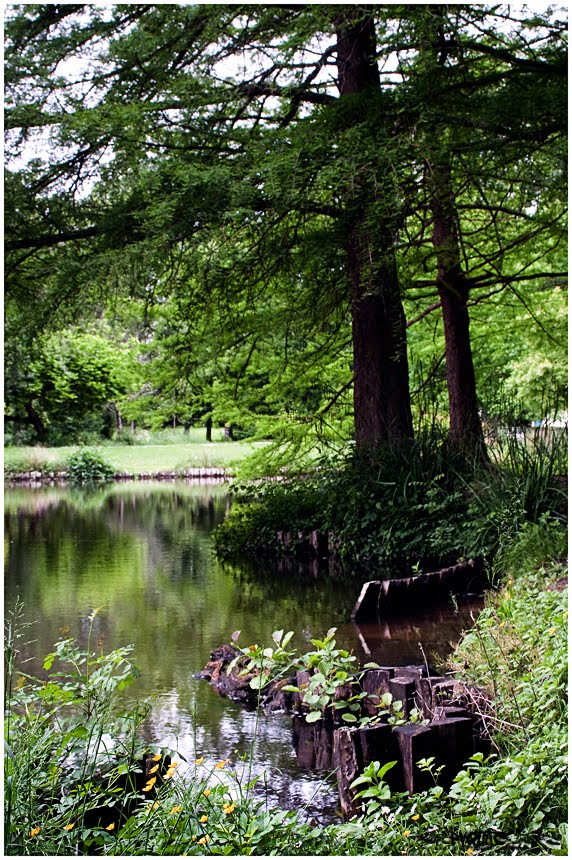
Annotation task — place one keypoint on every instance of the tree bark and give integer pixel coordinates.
(36, 421)
(382, 407)
(465, 430)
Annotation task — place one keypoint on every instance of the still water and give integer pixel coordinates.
(142, 554)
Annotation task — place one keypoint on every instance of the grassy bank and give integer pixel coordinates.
(513, 803)
(161, 452)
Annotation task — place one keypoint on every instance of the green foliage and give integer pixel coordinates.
(66, 378)
(514, 802)
(406, 507)
(333, 686)
(88, 466)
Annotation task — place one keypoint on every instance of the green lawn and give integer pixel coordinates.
(161, 453)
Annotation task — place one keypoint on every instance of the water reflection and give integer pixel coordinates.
(142, 552)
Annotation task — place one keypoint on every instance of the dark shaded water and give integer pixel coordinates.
(142, 553)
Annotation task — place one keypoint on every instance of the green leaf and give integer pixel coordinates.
(349, 718)
(313, 716)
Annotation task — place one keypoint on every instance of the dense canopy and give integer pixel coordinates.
(275, 206)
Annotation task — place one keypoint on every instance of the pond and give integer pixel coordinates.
(142, 553)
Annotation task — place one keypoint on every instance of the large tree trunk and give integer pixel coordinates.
(382, 408)
(465, 431)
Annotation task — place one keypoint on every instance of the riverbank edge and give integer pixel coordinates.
(37, 477)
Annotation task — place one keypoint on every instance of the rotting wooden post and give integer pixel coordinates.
(415, 742)
(313, 744)
(355, 748)
(375, 683)
(452, 745)
(367, 606)
(403, 690)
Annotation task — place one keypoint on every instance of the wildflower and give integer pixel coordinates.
(34, 831)
(171, 770)
(228, 808)
(175, 809)
(207, 791)
(221, 764)
(157, 757)
(69, 826)
(111, 826)
(154, 769)
(565, 613)
(200, 760)
(203, 819)
(509, 581)
(150, 783)
(552, 631)
(407, 832)
(415, 817)
(470, 851)
(204, 839)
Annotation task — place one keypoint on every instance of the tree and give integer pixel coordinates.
(250, 146)
(62, 385)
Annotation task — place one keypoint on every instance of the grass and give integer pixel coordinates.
(165, 452)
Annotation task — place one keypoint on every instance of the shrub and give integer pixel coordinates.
(88, 466)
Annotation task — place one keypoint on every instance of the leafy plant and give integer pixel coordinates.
(88, 466)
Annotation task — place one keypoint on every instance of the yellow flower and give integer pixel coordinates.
(552, 631)
(111, 826)
(154, 769)
(203, 840)
(175, 809)
(470, 851)
(150, 783)
(207, 791)
(566, 613)
(509, 581)
(407, 832)
(416, 817)
(157, 757)
(200, 760)
(221, 764)
(203, 819)
(69, 826)
(34, 831)
(228, 808)
(171, 770)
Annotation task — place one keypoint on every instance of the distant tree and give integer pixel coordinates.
(61, 386)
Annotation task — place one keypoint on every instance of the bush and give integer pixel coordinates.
(88, 466)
